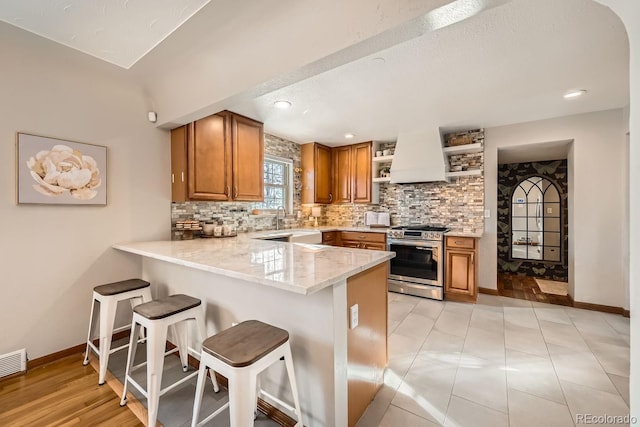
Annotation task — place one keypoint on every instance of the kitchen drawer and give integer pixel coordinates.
(364, 236)
(460, 242)
(374, 246)
(328, 237)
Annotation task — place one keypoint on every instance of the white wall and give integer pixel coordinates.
(597, 199)
(629, 11)
(52, 256)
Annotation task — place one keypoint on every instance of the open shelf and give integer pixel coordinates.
(382, 159)
(385, 179)
(463, 149)
(473, 172)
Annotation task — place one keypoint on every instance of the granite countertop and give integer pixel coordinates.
(460, 233)
(295, 267)
(454, 233)
(349, 228)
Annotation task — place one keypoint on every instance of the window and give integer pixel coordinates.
(535, 220)
(278, 183)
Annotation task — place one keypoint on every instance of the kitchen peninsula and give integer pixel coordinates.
(304, 288)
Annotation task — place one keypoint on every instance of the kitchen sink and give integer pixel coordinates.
(279, 238)
(295, 236)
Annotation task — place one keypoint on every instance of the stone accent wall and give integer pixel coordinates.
(459, 205)
(239, 214)
(509, 176)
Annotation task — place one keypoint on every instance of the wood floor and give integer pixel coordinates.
(523, 287)
(62, 393)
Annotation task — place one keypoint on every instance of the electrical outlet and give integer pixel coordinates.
(353, 316)
(549, 210)
(487, 213)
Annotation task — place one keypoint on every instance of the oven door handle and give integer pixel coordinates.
(424, 248)
(415, 244)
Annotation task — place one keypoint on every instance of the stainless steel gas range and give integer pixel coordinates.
(417, 268)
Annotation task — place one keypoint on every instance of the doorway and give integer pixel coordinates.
(532, 225)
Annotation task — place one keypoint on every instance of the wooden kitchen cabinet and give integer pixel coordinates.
(336, 175)
(317, 183)
(225, 158)
(363, 240)
(247, 138)
(329, 238)
(342, 174)
(179, 138)
(352, 173)
(361, 170)
(460, 268)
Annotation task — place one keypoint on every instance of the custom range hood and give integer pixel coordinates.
(418, 157)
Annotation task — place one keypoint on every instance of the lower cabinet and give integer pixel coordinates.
(363, 240)
(460, 268)
(329, 238)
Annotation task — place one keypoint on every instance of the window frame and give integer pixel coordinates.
(288, 186)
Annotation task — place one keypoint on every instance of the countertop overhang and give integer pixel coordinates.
(295, 267)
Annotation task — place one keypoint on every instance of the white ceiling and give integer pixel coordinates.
(508, 64)
(116, 31)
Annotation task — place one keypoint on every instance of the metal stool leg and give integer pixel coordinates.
(131, 356)
(199, 392)
(86, 353)
(242, 398)
(202, 333)
(288, 360)
(156, 339)
(107, 317)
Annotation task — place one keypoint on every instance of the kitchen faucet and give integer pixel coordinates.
(284, 212)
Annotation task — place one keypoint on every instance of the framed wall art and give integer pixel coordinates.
(55, 171)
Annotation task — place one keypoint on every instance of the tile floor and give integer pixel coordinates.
(500, 362)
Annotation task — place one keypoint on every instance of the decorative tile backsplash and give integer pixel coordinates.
(458, 204)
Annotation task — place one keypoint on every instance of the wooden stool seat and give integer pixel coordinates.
(120, 287)
(246, 343)
(165, 307)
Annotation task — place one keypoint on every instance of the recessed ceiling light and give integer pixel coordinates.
(349, 135)
(379, 60)
(283, 105)
(574, 94)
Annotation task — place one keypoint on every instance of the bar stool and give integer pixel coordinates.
(157, 316)
(109, 295)
(241, 353)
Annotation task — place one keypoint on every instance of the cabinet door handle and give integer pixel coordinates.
(172, 179)
(182, 173)
(226, 191)
(330, 197)
(472, 259)
(459, 242)
(235, 192)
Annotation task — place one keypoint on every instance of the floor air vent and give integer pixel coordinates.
(12, 363)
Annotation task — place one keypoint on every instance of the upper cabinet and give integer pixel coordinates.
(248, 159)
(224, 159)
(336, 175)
(342, 174)
(361, 169)
(317, 180)
(179, 138)
(209, 153)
